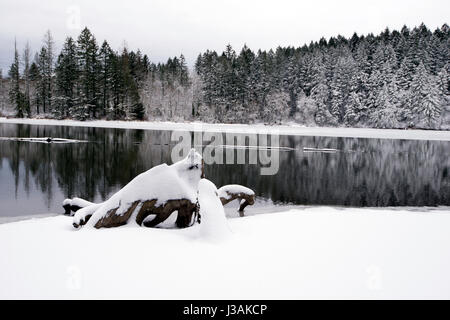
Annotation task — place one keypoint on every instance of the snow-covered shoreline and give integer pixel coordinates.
(315, 252)
(287, 129)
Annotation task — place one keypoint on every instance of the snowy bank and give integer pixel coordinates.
(316, 252)
(289, 129)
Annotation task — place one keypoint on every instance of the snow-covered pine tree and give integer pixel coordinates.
(320, 93)
(419, 87)
(436, 53)
(432, 104)
(48, 59)
(444, 80)
(260, 82)
(243, 67)
(117, 110)
(26, 76)
(426, 104)
(66, 80)
(184, 72)
(41, 81)
(87, 56)
(355, 110)
(35, 77)
(16, 96)
(385, 114)
(105, 76)
(291, 85)
(406, 71)
(342, 85)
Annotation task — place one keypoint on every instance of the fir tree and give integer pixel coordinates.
(35, 78)
(66, 80)
(425, 98)
(106, 55)
(88, 71)
(47, 69)
(16, 96)
(431, 108)
(26, 76)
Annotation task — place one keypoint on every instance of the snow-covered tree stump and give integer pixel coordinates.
(151, 197)
(156, 193)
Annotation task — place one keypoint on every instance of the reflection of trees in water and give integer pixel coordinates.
(370, 172)
(84, 169)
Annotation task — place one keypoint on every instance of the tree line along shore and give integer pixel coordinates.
(396, 79)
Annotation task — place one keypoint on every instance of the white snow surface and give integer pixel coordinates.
(214, 225)
(286, 129)
(318, 252)
(162, 183)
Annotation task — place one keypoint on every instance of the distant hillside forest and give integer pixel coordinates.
(397, 79)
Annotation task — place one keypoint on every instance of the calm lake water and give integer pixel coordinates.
(36, 177)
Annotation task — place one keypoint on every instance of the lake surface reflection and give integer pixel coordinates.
(36, 177)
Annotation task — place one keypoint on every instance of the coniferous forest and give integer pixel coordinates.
(397, 79)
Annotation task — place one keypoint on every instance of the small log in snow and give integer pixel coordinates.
(232, 192)
(73, 205)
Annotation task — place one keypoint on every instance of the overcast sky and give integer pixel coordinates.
(168, 27)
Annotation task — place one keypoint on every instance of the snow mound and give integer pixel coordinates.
(214, 225)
